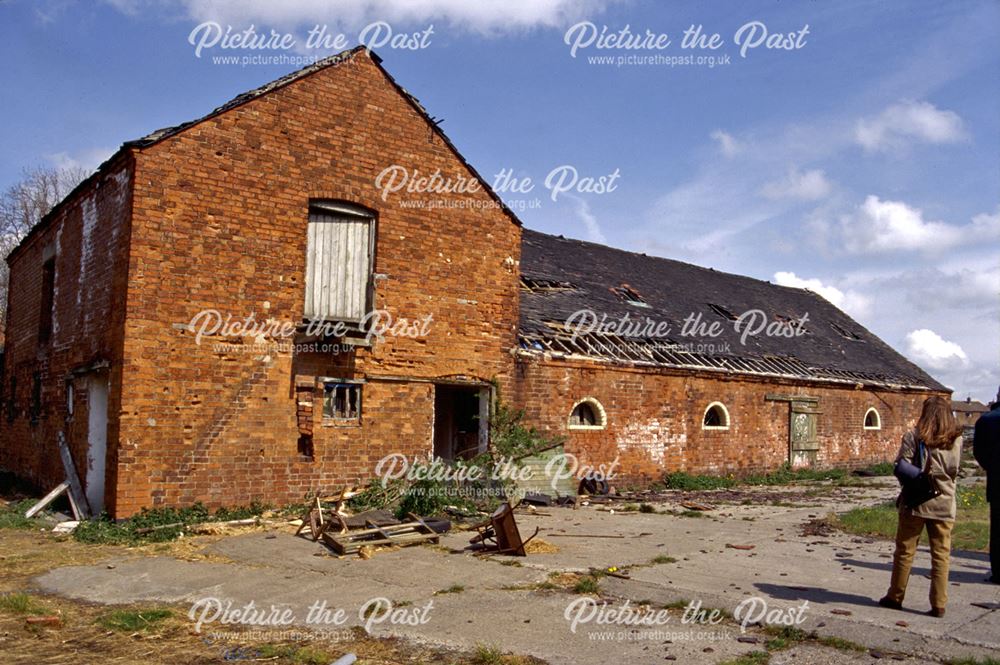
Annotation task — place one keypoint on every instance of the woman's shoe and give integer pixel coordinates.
(936, 612)
(891, 604)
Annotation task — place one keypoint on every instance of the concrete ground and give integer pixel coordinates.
(495, 601)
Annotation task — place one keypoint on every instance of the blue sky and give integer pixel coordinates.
(864, 164)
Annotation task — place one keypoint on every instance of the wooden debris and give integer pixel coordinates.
(740, 547)
(408, 533)
(77, 499)
(694, 505)
(47, 499)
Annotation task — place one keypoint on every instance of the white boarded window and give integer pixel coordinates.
(338, 262)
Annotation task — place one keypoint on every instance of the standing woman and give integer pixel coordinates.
(942, 439)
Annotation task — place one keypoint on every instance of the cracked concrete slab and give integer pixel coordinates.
(838, 575)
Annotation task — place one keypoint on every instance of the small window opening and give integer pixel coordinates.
(48, 300)
(873, 420)
(587, 414)
(722, 311)
(305, 446)
(342, 401)
(583, 415)
(716, 417)
(629, 295)
(70, 397)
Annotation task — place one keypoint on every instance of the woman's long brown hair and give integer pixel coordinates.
(937, 426)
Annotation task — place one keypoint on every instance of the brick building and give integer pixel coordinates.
(968, 412)
(158, 321)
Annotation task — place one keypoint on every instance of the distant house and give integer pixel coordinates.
(968, 412)
(267, 209)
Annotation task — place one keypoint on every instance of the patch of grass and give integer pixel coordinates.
(692, 513)
(880, 469)
(511, 562)
(20, 603)
(678, 604)
(587, 584)
(131, 621)
(663, 558)
(647, 508)
(681, 480)
(972, 527)
(12, 515)
(157, 525)
(752, 658)
(784, 637)
(454, 588)
(630, 508)
(488, 654)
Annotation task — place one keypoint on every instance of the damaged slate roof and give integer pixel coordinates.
(561, 277)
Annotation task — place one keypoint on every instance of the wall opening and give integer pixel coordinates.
(587, 414)
(716, 417)
(872, 419)
(460, 424)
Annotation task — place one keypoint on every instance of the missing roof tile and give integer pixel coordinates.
(629, 295)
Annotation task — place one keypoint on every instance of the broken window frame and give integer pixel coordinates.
(349, 410)
(872, 411)
(600, 417)
(721, 415)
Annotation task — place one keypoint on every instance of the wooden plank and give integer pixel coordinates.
(47, 499)
(75, 488)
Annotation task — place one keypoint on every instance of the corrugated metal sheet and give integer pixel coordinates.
(338, 266)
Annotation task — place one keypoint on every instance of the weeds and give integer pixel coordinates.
(131, 621)
(20, 603)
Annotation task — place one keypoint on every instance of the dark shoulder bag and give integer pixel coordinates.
(918, 488)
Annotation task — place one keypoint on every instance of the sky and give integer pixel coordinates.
(852, 148)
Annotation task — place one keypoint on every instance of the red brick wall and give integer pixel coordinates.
(654, 418)
(220, 223)
(89, 234)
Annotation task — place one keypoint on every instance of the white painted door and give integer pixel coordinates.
(97, 439)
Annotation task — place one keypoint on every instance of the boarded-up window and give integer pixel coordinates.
(338, 262)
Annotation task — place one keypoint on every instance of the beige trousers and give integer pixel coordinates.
(907, 537)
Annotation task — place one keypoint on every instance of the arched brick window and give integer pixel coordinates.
(872, 419)
(587, 414)
(716, 417)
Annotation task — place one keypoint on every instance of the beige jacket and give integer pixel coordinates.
(942, 465)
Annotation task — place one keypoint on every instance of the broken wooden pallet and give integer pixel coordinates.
(407, 533)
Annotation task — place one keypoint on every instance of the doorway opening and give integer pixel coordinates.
(461, 421)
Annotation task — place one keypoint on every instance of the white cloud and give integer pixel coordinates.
(805, 186)
(483, 17)
(887, 226)
(84, 160)
(909, 121)
(929, 349)
(728, 144)
(852, 302)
